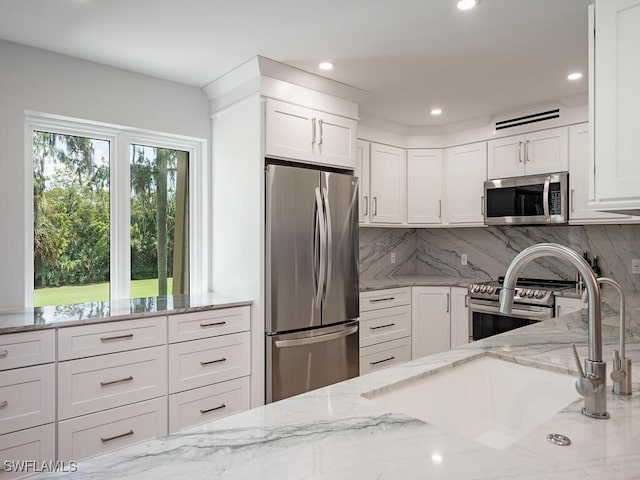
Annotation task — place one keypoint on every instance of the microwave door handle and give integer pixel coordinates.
(545, 197)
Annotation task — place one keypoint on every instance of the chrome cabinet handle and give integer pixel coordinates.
(520, 152)
(4, 403)
(219, 407)
(118, 337)
(440, 208)
(386, 299)
(466, 301)
(219, 360)
(482, 205)
(115, 437)
(313, 131)
(113, 382)
(526, 151)
(4, 353)
(375, 206)
(320, 124)
(214, 324)
(448, 302)
(573, 190)
(382, 361)
(366, 205)
(382, 326)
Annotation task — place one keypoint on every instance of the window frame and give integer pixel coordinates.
(120, 138)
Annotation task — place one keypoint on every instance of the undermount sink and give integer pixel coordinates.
(491, 401)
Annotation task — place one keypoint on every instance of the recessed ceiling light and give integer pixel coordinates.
(436, 111)
(467, 4)
(325, 66)
(574, 76)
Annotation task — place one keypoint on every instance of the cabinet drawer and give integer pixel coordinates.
(197, 325)
(27, 397)
(27, 348)
(391, 297)
(211, 360)
(92, 384)
(386, 324)
(35, 445)
(208, 403)
(105, 431)
(111, 337)
(383, 355)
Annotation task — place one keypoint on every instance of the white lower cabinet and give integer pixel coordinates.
(22, 451)
(385, 328)
(430, 320)
(459, 316)
(208, 403)
(566, 305)
(383, 355)
(102, 432)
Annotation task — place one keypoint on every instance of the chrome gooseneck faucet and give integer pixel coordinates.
(592, 384)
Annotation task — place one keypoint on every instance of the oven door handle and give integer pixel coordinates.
(515, 313)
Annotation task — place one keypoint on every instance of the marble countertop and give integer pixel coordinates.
(98, 312)
(335, 433)
(380, 283)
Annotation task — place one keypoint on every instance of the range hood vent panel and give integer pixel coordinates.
(526, 119)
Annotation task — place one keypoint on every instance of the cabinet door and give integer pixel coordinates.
(547, 151)
(566, 305)
(465, 173)
(505, 157)
(579, 179)
(459, 317)
(424, 186)
(430, 320)
(362, 172)
(336, 140)
(388, 180)
(28, 449)
(290, 131)
(617, 101)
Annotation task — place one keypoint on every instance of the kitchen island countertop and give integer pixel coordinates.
(334, 433)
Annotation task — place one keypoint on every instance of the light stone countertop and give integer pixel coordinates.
(334, 433)
(99, 312)
(397, 281)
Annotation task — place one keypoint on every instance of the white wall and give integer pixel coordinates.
(36, 80)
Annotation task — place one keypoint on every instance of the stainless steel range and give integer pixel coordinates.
(533, 302)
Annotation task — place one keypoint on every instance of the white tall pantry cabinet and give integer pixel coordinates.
(615, 97)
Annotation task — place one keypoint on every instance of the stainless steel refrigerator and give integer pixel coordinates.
(312, 291)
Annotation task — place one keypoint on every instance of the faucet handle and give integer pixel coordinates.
(586, 385)
(618, 373)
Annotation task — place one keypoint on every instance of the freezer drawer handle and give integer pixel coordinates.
(320, 338)
(113, 382)
(115, 437)
(387, 299)
(4, 404)
(219, 407)
(213, 324)
(119, 337)
(214, 361)
(382, 326)
(4, 353)
(382, 361)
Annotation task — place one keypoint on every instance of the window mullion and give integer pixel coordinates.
(120, 211)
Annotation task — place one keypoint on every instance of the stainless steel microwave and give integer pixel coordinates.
(529, 200)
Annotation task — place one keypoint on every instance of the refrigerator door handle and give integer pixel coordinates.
(319, 339)
(323, 247)
(329, 243)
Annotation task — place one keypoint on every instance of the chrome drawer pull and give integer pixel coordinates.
(382, 326)
(4, 353)
(113, 382)
(214, 361)
(374, 300)
(214, 324)
(219, 407)
(382, 361)
(115, 437)
(4, 404)
(119, 337)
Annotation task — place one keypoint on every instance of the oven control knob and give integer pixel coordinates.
(474, 288)
(520, 292)
(539, 293)
(483, 289)
(530, 293)
(491, 290)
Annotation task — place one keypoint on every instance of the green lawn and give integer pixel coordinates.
(94, 292)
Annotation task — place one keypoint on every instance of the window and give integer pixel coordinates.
(113, 213)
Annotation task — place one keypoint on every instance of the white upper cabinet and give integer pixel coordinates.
(579, 211)
(616, 96)
(465, 173)
(424, 186)
(362, 172)
(545, 151)
(387, 169)
(308, 135)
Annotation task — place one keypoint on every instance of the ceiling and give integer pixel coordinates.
(410, 55)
